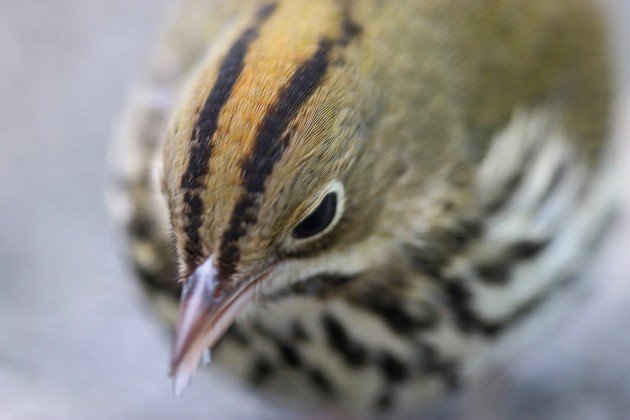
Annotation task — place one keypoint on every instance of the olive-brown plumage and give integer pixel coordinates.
(374, 190)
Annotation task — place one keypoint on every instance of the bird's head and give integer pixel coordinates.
(264, 170)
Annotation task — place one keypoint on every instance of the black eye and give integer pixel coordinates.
(317, 221)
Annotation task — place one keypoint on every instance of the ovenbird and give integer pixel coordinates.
(356, 198)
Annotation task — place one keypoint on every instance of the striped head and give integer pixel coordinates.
(260, 164)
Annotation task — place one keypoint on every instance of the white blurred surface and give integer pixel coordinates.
(75, 339)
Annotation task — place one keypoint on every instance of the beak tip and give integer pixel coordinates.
(181, 380)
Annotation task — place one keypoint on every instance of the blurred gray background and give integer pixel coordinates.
(76, 340)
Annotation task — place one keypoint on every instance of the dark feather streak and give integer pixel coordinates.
(203, 132)
(269, 146)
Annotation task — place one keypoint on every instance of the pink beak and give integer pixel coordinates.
(206, 312)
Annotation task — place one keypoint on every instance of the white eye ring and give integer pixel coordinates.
(334, 187)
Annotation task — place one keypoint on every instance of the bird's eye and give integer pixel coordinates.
(319, 219)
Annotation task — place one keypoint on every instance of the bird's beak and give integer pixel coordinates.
(207, 310)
